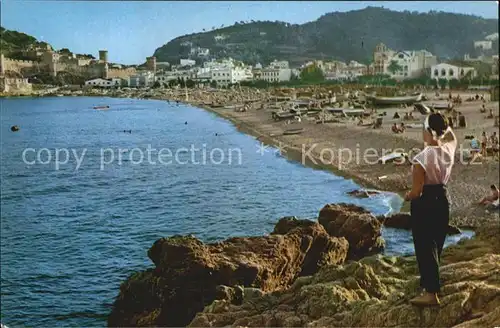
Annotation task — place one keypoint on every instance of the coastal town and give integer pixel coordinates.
(202, 70)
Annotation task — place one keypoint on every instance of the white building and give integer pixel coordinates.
(142, 79)
(227, 75)
(283, 64)
(412, 64)
(201, 52)
(492, 37)
(168, 76)
(220, 37)
(450, 72)
(337, 70)
(219, 64)
(187, 62)
(485, 45)
(275, 75)
(318, 63)
(104, 83)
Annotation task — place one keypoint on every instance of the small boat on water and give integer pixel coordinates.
(101, 107)
(293, 131)
(409, 100)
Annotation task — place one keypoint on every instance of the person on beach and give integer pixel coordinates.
(494, 142)
(429, 203)
(475, 150)
(495, 194)
(484, 143)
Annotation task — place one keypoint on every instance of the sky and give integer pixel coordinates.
(132, 30)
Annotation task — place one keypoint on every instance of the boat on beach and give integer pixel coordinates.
(442, 106)
(293, 131)
(282, 115)
(354, 112)
(392, 157)
(334, 110)
(408, 100)
(299, 111)
(422, 108)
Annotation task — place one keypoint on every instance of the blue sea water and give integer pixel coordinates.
(72, 232)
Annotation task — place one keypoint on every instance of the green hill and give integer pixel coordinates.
(340, 35)
(13, 42)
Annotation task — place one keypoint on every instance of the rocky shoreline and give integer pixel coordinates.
(190, 275)
(307, 273)
(374, 292)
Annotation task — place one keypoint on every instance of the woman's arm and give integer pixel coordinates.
(449, 136)
(418, 178)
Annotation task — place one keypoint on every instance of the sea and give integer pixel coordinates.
(85, 193)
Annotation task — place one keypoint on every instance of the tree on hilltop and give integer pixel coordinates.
(394, 67)
(312, 73)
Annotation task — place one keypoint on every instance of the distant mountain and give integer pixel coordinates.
(340, 35)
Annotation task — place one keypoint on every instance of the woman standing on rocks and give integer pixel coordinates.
(429, 203)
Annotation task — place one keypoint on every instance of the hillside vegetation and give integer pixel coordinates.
(13, 42)
(340, 35)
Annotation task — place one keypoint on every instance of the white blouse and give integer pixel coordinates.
(438, 161)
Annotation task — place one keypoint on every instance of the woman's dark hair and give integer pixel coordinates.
(493, 187)
(437, 122)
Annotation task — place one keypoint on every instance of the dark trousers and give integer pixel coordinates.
(430, 215)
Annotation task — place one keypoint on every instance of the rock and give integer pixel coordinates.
(398, 221)
(403, 221)
(361, 229)
(233, 295)
(362, 193)
(251, 293)
(453, 230)
(188, 274)
(375, 292)
(14, 128)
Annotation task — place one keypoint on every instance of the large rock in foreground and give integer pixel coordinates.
(357, 225)
(188, 273)
(375, 292)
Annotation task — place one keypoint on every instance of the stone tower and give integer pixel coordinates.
(151, 63)
(381, 56)
(105, 71)
(103, 56)
(50, 59)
